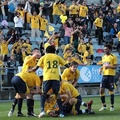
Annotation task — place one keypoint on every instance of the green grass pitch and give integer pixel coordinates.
(104, 115)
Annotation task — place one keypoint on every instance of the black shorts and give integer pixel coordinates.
(19, 85)
(108, 82)
(67, 108)
(51, 84)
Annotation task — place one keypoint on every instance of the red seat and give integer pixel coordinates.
(100, 51)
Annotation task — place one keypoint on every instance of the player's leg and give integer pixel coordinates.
(46, 87)
(103, 85)
(29, 98)
(111, 92)
(20, 88)
(15, 101)
(56, 88)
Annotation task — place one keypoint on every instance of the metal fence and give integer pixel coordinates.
(6, 75)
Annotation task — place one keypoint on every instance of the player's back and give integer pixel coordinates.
(66, 86)
(50, 63)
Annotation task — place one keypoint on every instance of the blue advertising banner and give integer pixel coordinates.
(89, 74)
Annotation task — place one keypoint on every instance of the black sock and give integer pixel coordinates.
(43, 99)
(59, 102)
(32, 105)
(20, 101)
(112, 99)
(29, 106)
(15, 101)
(103, 99)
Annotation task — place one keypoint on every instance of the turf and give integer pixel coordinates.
(104, 115)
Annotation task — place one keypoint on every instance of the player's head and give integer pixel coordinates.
(107, 48)
(73, 66)
(37, 52)
(50, 49)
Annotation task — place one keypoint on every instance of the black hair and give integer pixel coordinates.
(109, 46)
(73, 63)
(35, 49)
(50, 49)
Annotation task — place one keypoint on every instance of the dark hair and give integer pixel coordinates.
(36, 49)
(109, 46)
(73, 63)
(50, 49)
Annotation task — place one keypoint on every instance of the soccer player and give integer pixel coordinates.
(108, 71)
(71, 74)
(24, 82)
(51, 79)
(74, 95)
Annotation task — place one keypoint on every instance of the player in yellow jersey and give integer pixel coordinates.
(51, 79)
(24, 82)
(71, 74)
(72, 93)
(108, 71)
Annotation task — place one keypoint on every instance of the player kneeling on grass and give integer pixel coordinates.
(72, 93)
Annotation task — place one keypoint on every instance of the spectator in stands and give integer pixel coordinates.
(4, 48)
(77, 58)
(113, 32)
(99, 28)
(75, 35)
(109, 20)
(118, 45)
(35, 19)
(81, 47)
(43, 25)
(68, 30)
(19, 21)
(21, 11)
(1, 61)
(73, 10)
(90, 44)
(83, 12)
(108, 71)
(11, 11)
(118, 8)
(2, 36)
(108, 4)
(46, 9)
(56, 12)
(11, 64)
(86, 56)
(67, 53)
(28, 46)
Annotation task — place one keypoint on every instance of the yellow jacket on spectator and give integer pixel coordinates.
(83, 11)
(91, 48)
(22, 13)
(4, 48)
(56, 9)
(28, 47)
(28, 20)
(63, 9)
(43, 24)
(81, 48)
(98, 22)
(118, 9)
(74, 9)
(118, 35)
(35, 21)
